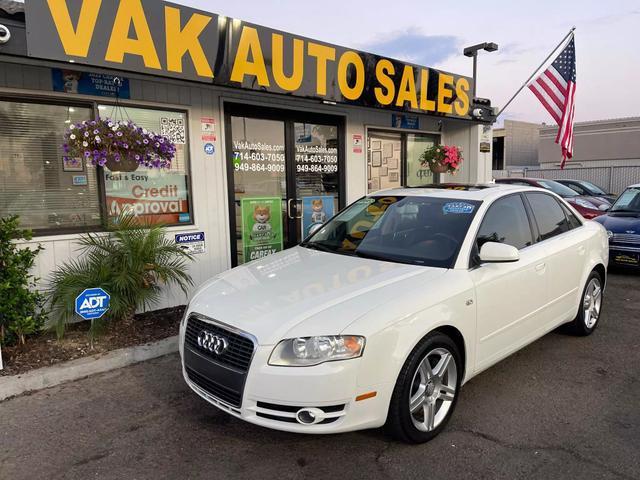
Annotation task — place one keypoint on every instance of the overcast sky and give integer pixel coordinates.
(434, 34)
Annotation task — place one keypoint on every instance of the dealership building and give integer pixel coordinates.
(261, 119)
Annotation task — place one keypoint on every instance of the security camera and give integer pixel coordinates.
(5, 34)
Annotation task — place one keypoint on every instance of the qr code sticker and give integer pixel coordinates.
(174, 130)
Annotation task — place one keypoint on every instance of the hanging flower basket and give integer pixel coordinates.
(118, 146)
(442, 159)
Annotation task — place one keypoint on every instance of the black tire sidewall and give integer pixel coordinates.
(399, 422)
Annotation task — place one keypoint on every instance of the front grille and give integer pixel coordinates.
(288, 409)
(239, 352)
(219, 391)
(628, 238)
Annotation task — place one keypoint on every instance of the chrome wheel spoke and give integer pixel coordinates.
(447, 393)
(425, 370)
(418, 399)
(592, 303)
(442, 366)
(429, 415)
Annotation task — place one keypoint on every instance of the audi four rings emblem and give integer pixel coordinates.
(213, 343)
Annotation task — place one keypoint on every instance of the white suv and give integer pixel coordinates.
(381, 315)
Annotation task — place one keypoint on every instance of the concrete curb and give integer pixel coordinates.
(83, 367)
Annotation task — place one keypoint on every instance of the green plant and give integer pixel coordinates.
(20, 302)
(132, 262)
(442, 158)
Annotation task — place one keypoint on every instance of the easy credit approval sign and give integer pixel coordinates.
(93, 303)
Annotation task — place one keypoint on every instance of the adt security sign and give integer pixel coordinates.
(209, 149)
(93, 303)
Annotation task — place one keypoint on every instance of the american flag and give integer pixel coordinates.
(556, 90)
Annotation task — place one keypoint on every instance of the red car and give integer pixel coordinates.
(589, 207)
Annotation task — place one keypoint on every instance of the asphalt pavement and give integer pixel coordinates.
(565, 407)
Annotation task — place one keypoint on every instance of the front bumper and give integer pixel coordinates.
(273, 395)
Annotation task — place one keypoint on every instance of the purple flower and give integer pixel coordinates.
(119, 134)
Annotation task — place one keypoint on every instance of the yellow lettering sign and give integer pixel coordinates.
(387, 93)
(322, 54)
(292, 82)
(407, 91)
(444, 92)
(425, 104)
(462, 102)
(182, 40)
(347, 59)
(250, 45)
(131, 12)
(76, 42)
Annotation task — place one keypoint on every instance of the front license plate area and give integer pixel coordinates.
(630, 259)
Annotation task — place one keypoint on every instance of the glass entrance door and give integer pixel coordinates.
(284, 177)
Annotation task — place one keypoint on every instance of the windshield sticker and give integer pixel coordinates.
(458, 208)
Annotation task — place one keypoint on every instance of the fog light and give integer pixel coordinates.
(309, 416)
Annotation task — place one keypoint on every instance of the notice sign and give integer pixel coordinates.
(157, 197)
(192, 243)
(261, 227)
(316, 211)
(357, 144)
(208, 125)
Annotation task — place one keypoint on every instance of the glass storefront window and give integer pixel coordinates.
(384, 161)
(393, 160)
(418, 175)
(155, 196)
(48, 190)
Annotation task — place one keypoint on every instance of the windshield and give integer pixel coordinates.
(629, 201)
(415, 230)
(558, 188)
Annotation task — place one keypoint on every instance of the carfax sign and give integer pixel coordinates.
(93, 303)
(162, 38)
(262, 233)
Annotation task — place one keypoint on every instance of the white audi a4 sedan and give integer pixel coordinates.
(382, 314)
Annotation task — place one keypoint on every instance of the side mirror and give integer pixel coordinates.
(604, 207)
(493, 252)
(314, 228)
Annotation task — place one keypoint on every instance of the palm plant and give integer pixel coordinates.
(132, 262)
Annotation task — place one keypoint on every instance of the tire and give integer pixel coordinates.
(590, 308)
(433, 397)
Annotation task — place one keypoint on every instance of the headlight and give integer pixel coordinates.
(308, 351)
(609, 234)
(586, 204)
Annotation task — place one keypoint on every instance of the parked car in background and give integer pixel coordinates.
(622, 222)
(582, 187)
(383, 313)
(589, 207)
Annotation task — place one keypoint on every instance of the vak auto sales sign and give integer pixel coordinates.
(161, 38)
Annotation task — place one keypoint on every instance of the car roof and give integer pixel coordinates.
(456, 191)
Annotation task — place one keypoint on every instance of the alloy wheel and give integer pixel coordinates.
(592, 303)
(433, 389)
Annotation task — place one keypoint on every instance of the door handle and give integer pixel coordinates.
(540, 267)
(289, 209)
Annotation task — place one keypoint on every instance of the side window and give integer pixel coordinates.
(573, 220)
(506, 221)
(549, 215)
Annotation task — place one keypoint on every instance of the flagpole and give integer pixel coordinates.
(537, 70)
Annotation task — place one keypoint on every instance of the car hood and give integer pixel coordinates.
(315, 293)
(629, 224)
